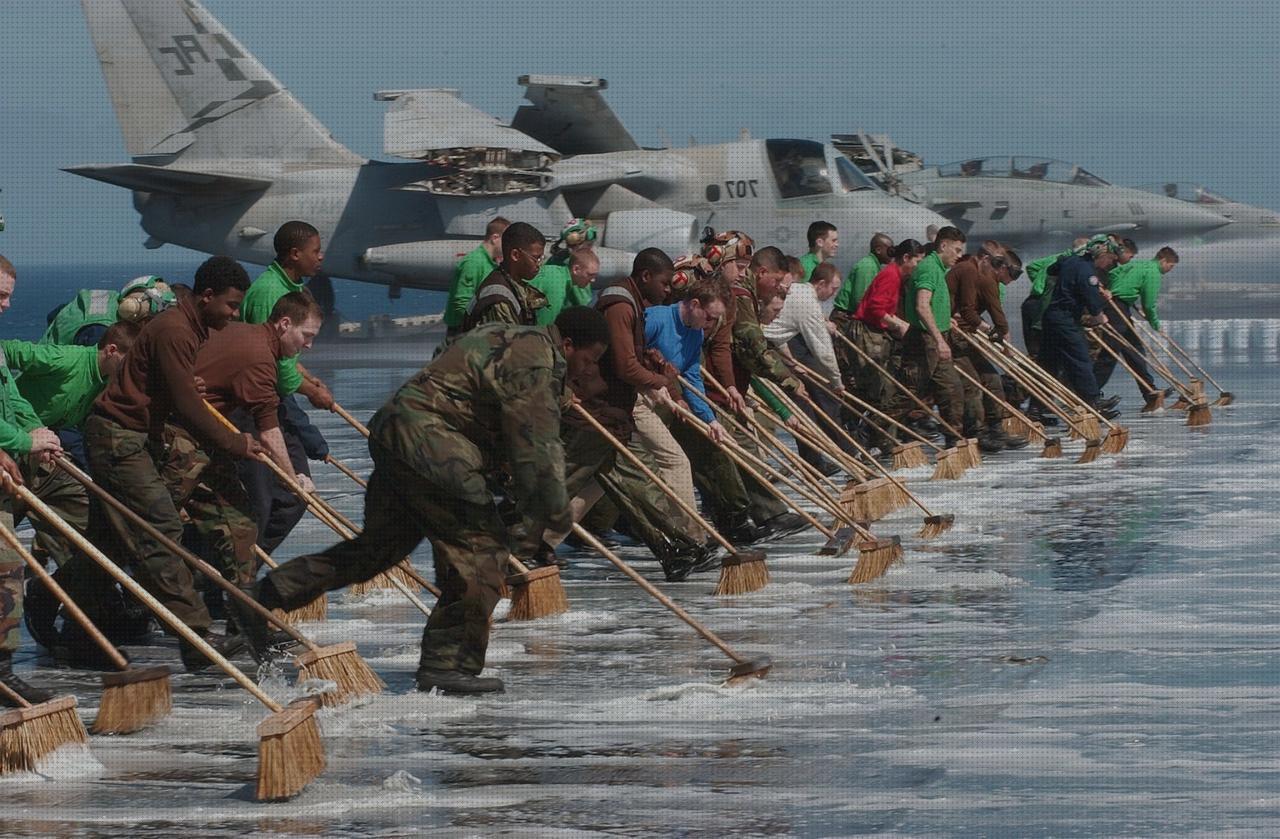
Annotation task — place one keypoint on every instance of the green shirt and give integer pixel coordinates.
(17, 418)
(555, 281)
(1139, 280)
(856, 284)
(90, 306)
(930, 275)
(60, 383)
(1038, 271)
(471, 271)
(271, 285)
(810, 261)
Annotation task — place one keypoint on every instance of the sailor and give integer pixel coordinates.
(505, 296)
(975, 283)
(878, 330)
(11, 565)
(275, 509)
(568, 274)
(1038, 272)
(493, 397)
(1077, 299)
(824, 244)
(472, 270)
(1130, 284)
(926, 350)
(83, 319)
(125, 440)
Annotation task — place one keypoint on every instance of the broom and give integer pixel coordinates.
(352, 421)
(1225, 397)
(874, 555)
(346, 470)
(535, 593)
(30, 733)
(742, 669)
(315, 611)
(339, 663)
(131, 699)
(290, 753)
(741, 572)
(961, 456)
(1052, 445)
(1191, 395)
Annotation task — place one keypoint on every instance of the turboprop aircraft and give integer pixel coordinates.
(222, 154)
(1027, 200)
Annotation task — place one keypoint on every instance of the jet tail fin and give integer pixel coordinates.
(142, 178)
(184, 87)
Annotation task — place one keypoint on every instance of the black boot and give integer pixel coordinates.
(31, 693)
(40, 613)
(456, 682)
(77, 650)
(257, 632)
(1008, 441)
(195, 661)
(783, 524)
(737, 528)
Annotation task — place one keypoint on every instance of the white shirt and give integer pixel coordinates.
(802, 315)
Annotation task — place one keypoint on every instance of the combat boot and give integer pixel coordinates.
(40, 613)
(456, 682)
(783, 524)
(9, 679)
(1008, 441)
(989, 443)
(194, 661)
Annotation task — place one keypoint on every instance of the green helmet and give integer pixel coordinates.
(144, 297)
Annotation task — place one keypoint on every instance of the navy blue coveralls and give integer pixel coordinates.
(1065, 349)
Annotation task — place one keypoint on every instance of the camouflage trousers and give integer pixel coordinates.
(979, 409)
(874, 387)
(68, 499)
(401, 508)
(11, 571)
(932, 378)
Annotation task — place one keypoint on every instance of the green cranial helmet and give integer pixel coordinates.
(144, 297)
(576, 232)
(1100, 244)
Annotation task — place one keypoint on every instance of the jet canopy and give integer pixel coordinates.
(1025, 168)
(1189, 192)
(799, 167)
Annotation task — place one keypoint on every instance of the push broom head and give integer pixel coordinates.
(1183, 403)
(752, 668)
(1117, 439)
(874, 559)
(871, 500)
(314, 612)
(949, 466)
(133, 700)
(972, 454)
(1199, 415)
(935, 525)
(1052, 447)
(909, 456)
(537, 593)
(30, 734)
(1092, 448)
(1016, 426)
(343, 666)
(1225, 398)
(742, 572)
(1155, 402)
(290, 753)
(381, 581)
(840, 543)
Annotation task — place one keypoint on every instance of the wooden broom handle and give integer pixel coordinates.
(1155, 333)
(1105, 347)
(133, 587)
(1007, 405)
(814, 435)
(920, 403)
(346, 470)
(70, 605)
(649, 473)
(1032, 384)
(1148, 346)
(1096, 413)
(585, 535)
(355, 423)
(13, 696)
(182, 553)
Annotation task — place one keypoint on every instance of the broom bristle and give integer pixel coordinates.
(1182, 404)
(382, 581)
(28, 735)
(1117, 438)
(1155, 402)
(314, 612)
(950, 465)
(909, 456)
(132, 700)
(1016, 426)
(1199, 415)
(1225, 398)
(537, 594)
(343, 666)
(973, 457)
(1092, 448)
(936, 525)
(742, 573)
(875, 559)
(290, 752)
(1052, 448)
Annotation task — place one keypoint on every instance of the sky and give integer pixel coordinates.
(1135, 92)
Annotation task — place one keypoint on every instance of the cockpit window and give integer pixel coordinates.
(799, 167)
(1191, 193)
(851, 177)
(1025, 168)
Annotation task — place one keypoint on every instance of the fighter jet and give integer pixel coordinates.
(1247, 221)
(222, 154)
(1027, 200)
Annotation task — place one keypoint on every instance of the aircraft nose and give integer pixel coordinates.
(1183, 218)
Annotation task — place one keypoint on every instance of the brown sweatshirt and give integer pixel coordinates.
(975, 290)
(158, 380)
(239, 367)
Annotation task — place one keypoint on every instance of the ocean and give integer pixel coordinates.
(1091, 650)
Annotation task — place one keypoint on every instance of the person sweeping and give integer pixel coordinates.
(493, 397)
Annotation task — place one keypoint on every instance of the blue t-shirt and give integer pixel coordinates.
(682, 346)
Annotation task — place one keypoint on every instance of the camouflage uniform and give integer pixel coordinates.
(502, 299)
(492, 399)
(11, 570)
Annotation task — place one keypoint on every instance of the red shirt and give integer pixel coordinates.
(882, 297)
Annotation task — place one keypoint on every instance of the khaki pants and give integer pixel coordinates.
(654, 433)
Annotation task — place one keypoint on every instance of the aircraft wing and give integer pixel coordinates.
(571, 116)
(142, 178)
(420, 123)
